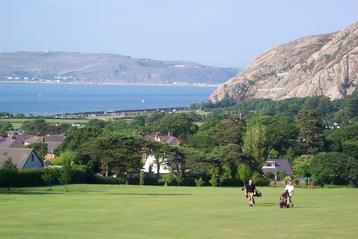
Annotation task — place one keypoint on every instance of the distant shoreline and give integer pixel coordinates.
(110, 84)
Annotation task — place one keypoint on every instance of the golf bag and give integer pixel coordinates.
(283, 200)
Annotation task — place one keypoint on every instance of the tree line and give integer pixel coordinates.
(226, 144)
(229, 144)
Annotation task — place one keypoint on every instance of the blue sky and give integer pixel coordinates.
(214, 32)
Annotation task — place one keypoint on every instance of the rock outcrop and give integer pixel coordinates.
(315, 65)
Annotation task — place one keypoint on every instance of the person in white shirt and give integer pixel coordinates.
(290, 189)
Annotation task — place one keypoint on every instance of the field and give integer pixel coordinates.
(16, 123)
(108, 211)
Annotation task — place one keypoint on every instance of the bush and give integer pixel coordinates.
(8, 174)
(199, 182)
(302, 165)
(350, 148)
(260, 180)
(30, 178)
(106, 180)
(334, 168)
(35, 177)
(244, 172)
(281, 175)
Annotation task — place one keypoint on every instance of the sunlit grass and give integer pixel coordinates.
(100, 211)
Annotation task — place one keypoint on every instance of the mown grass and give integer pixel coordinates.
(17, 123)
(108, 211)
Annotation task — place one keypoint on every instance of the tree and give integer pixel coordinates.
(41, 127)
(350, 148)
(351, 104)
(282, 132)
(179, 179)
(66, 160)
(302, 165)
(199, 182)
(40, 148)
(3, 133)
(320, 104)
(4, 127)
(167, 178)
(214, 176)
(160, 151)
(96, 123)
(117, 154)
(75, 138)
(310, 132)
(337, 137)
(49, 176)
(8, 174)
(179, 125)
(244, 172)
(334, 168)
(219, 166)
(255, 143)
(229, 131)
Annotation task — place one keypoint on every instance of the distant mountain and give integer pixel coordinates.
(105, 68)
(315, 65)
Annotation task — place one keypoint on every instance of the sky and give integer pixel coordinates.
(229, 33)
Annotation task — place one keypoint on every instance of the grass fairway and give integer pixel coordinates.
(106, 211)
(17, 123)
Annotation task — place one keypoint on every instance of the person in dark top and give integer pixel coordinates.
(250, 190)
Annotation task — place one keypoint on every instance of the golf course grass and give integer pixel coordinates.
(17, 123)
(111, 211)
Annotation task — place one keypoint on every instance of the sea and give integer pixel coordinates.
(51, 99)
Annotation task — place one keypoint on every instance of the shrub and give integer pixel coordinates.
(302, 165)
(334, 168)
(199, 182)
(350, 148)
(30, 178)
(244, 172)
(106, 180)
(8, 174)
(281, 175)
(49, 175)
(166, 179)
(259, 179)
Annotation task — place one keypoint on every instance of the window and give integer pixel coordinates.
(32, 157)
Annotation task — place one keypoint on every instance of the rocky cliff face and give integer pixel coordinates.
(315, 65)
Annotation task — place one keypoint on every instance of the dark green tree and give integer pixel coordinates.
(334, 168)
(8, 174)
(311, 135)
(49, 176)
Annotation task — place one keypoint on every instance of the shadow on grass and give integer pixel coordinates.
(24, 192)
(267, 204)
(15, 191)
(151, 194)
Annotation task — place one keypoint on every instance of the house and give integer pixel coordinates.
(169, 139)
(151, 165)
(21, 141)
(18, 141)
(52, 141)
(150, 162)
(23, 158)
(275, 166)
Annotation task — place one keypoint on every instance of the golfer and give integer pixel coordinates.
(250, 190)
(290, 190)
